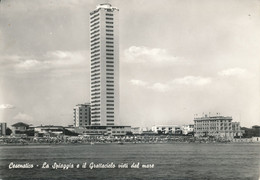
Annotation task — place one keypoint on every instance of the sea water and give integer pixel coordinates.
(131, 161)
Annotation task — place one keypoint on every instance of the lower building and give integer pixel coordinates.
(48, 131)
(186, 129)
(19, 128)
(104, 130)
(136, 130)
(217, 126)
(166, 129)
(2, 129)
(81, 115)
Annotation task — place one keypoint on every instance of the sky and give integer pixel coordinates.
(177, 59)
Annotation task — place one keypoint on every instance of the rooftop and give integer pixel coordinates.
(212, 117)
(104, 5)
(19, 124)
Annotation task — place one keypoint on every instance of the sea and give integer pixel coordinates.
(181, 161)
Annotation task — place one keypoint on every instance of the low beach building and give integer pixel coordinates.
(166, 129)
(19, 128)
(136, 130)
(186, 129)
(48, 131)
(104, 130)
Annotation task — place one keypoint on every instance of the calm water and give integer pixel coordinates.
(171, 161)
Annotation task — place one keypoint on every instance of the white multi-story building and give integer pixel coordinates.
(166, 129)
(218, 126)
(81, 115)
(104, 46)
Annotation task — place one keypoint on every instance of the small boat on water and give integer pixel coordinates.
(120, 143)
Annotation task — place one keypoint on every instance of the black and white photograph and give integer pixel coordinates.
(129, 89)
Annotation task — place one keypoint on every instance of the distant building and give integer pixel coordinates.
(136, 130)
(2, 129)
(104, 47)
(19, 128)
(81, 115)
(166, 129)
(251, 132)
(186, 129)
(256, 130)
(218, 126)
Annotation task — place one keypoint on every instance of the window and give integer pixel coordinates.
(110, 65)
(96, 74)
(110, 69)
(96, 39)
(109, 26)
(95, 47)
(95, 55)
(97, 62)
(92, 45)
(96, 70)
(94, 24)
(95, 20)
(94, 67)
(108, 14)
(93, 90)
(94, 14)
(95, 78)
(97, 85)
(96, 35)
(95, 82)
(96, 27)
(96, 97)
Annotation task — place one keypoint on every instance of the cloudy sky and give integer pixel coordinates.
(177, 59)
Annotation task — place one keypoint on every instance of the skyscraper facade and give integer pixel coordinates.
(104, 48)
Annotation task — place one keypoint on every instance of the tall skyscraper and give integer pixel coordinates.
(104, 45)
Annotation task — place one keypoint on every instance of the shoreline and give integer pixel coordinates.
(116, 143)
